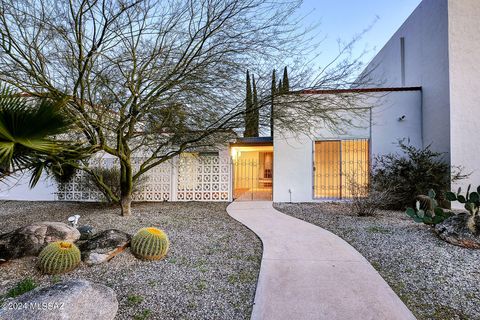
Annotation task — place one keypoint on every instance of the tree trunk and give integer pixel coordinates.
(125, 204)
(126, 187)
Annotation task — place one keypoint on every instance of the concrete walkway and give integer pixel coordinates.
(310, 273)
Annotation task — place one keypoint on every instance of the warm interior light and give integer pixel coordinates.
(339, 165)
(233, 153)
(252, 172)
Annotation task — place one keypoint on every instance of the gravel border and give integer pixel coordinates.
(210, 272)
(436, 280)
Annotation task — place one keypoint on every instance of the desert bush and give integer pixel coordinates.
(111, 177)
(412, 172)
(366, 200)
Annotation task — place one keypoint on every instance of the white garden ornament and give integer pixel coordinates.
(73, 220)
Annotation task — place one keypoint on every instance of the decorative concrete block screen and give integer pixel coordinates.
(158, 184)
(79, 188)
(190, 177)
(203, 178)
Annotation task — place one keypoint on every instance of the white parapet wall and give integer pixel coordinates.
(417, 55)
(438, 48)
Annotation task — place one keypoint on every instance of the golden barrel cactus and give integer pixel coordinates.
(59, 257)
(150, 244)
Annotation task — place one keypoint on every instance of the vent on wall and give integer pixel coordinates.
(402, 59)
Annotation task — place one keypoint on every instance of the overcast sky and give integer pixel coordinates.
(345, 18)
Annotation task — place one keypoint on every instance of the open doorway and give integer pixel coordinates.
(252, 172)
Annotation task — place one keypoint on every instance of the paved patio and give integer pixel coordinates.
(310, 273)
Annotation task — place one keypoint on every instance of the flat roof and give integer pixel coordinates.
(357, 90)
(253, 141)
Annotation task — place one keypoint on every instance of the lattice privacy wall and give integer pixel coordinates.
(79, 189)
(185, 178)
(203, 178)
(158, 184)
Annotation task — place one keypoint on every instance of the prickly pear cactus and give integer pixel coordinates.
(58, 257)
(432, 215)
(471, 200)
(150, 244)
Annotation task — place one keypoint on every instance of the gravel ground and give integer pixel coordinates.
(210, 271)
(436, 280)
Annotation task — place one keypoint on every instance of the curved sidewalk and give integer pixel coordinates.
(310, 273)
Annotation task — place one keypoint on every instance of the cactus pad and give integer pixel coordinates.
(58, 257)
(150, 244)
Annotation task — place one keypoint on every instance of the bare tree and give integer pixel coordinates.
(153, 79)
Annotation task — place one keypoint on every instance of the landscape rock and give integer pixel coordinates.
(86, 232)
(30, 240)
(455, 231)
(73, 300)
(104, 246)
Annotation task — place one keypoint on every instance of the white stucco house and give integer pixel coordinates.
(429, 94)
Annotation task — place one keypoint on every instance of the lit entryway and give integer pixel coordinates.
(252, 172)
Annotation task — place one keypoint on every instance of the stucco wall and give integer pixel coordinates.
(387, 128)
(464, 51)
(426, 65)
(293, 153)
(17, 188)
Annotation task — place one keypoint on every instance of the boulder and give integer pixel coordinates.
(73, 300)
(30, 240)
(455, 231)
(104, 246)
(86, 232)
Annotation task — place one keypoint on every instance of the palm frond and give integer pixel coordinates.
(27, 129)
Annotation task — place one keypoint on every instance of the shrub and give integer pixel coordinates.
(58, 257)
(366, 200)
(150, 244)
(414, 172)
(111, 177)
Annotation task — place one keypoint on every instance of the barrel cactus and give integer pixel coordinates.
(150, 244)
(58, 257)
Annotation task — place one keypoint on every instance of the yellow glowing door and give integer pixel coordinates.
(355, 167)
(327, 169)
(339, 165)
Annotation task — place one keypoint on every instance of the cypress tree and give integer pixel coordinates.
(255, 111)
(286, 85)
(272, 97)
(248, 109)
(280, 87)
